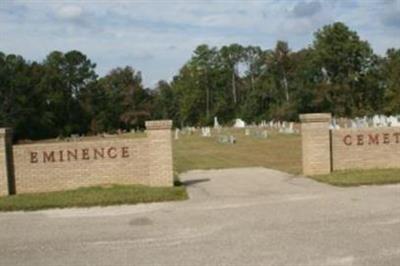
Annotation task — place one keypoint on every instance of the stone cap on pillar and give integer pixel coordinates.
(158, 124)
(315, 118)
(4, 131)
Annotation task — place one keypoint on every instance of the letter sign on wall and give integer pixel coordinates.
(78, 154)
(347, 140)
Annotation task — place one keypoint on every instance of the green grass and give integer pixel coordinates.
(92, 196)
(361, 177)
(278, 151)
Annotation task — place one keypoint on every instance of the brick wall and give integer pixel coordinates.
(160, 152)
(366, 148)
(67, 165)
(3, 164)
(325, 150)
(315, 143)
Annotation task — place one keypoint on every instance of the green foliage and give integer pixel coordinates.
(391, 72)
(338, 73)
(127, 104)
(344, 61)
(63, 96)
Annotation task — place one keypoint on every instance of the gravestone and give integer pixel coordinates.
(265, 134)
(216, 124)
(223, 139)
(239, 123)
(205, 132)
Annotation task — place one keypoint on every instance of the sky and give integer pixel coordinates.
(158, 36)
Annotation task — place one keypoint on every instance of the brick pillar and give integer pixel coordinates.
(315, 138)
(6, 167)
(160, 152)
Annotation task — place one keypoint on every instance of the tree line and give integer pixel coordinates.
(338, 73)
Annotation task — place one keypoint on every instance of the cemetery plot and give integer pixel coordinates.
(233, 147)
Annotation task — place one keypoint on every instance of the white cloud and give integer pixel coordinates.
(70, 12)
(158, 37)
(307, 9)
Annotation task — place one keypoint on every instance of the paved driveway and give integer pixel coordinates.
(234, 217)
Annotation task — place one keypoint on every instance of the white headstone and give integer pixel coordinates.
(239, 123)
(375, 120)
(265, 134)
(271, 124)
(206, 132)
(394, 121)
(216, 124)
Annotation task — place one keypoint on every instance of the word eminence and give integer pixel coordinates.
(78, 154)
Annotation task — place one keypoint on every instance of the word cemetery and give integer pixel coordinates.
(372, 139)
(326, 148)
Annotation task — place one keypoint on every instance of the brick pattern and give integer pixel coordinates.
(366, 148)
(68, 165)
(3, 164)
(160, 152)
(315, 143)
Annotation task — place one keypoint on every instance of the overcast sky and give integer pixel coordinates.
(158, 37)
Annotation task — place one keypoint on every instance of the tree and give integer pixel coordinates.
(64, 78)
(391, 74)
(280, 65)
(128, 103)
(231, 56)
(204, 61)
(166, 102)
(343, 60)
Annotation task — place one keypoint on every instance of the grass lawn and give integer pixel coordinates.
(92, 196)
(278, 151)
(361, 177)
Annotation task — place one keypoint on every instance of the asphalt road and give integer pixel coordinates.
(234, 217)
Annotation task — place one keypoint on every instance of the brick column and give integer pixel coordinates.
(160, 153)
(6, 167)
(315, 138)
